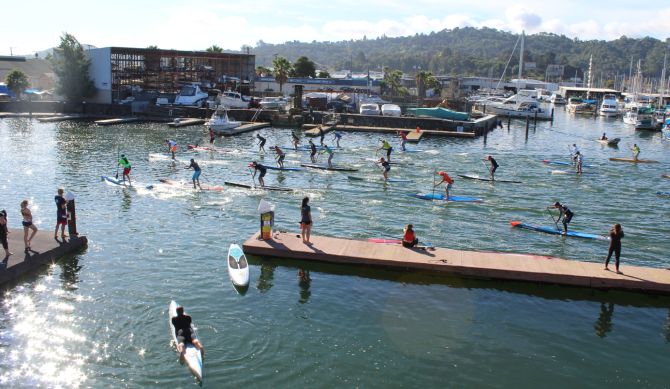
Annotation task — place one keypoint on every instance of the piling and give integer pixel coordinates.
(509, 120)
(552, 116)
(527, 125)
(535, 120)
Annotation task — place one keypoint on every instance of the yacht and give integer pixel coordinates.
(278, 103)
(520, 107)
(646, 119)
(233, 99)
(191, 95)
(630, 117)
(369, 109)
(557, 99)
(579, 106)
(610, 106)
(220, 124)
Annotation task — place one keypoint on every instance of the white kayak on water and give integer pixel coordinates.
(238, 268)
(192, 356)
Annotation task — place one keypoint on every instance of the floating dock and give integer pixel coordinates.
(62, 118)
(45, 248)
(314, 132)
(183, 122)
(244, 128)
(109, 122)
(470, 264)
(4, 115)
(415, 137)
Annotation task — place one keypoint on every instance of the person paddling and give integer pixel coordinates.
(573, 152)
(616, 234)
(279, 157)
(448, 181)
(336, 137)
(196, 173)
(579, 158)
(312, 151)
(172, 146)
(386, 167)
(322, 133)
(565, 214)
(261, 143)
(212, 136)
(386, 146)
(636, 151)
(260, 168)
(403, 140)
(330, 153)
(604, 137)
(184, 333)
(296, 140)
(123, 161)
(493, 167)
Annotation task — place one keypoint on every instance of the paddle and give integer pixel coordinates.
(487, 167)
(117, 164)
(552, 218)
(434, 174)
(253, 177)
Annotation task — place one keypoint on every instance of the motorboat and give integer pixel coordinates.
(646, 119)
(520, 107)
(391, 110)
(610, 106)
(369, 109)
(278, 103)
(579, 106)
(232, 99)
(630, 117)
(191, 95)
(557, 99)
(220, 124)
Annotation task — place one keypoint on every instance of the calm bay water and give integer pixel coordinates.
(99, 319)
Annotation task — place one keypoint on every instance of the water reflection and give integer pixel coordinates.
(304, 281)
(604, 323)
(70, 273)
(265, 280)
(126, 199)
(667, 328)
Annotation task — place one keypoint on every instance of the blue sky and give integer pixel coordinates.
(194, 25)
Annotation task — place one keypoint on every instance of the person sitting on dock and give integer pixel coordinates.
(172, 146)
(123, 161)
(636, 151)
(579, 158)
(386, 146)
(196, 173)
(565, 215)
(61, 214)
(409, 238)
(403, 140)
(330, 153)
(312, 151)
(448, 182)
(261, 142)
(336, 137)
(616, 234)
(296, 140)
(493, 167)
(3, 233)
(258, 167)
(604, 137)
(280, 157)
(183, 332)
(386, 166)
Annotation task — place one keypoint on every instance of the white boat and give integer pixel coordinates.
(238, 268)
(610, 106)
(233, 99)
(579, 106)
(557, 99)
(192, 356)
(219, 122)
(646, 120)
(391, 110)
(372, 99)
(278, 103)
(369, 109)
(520, 107)
(191, 95)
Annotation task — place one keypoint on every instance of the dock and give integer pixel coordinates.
(62, 118)
(468, 264)
(245, 128)
(27, 115)
(314, 132)
(109, 122)
(183, 122)
(415, 137)
(45, 248)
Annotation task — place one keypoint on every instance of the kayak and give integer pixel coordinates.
(118, 182)
(292, 169)
(192, 356)
(631, 160)
(475, 177)
(548, 162)
(436, 196)
(554, 231)
(395, 241)
(238, 268)
(325, 167)
(609, 142)
(356, 178)
(217, 188)
(275, 188)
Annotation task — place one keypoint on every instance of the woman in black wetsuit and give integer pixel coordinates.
(616, 233)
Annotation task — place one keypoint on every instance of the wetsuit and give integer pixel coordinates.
(312, 153)
(182, 328)
(494, 165)
(567, 216)
(61, 212)
(615, 247)
(196, 167)
(386, 165)
(321, 134)
(262, 169)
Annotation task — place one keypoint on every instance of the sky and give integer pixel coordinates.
(195, 25)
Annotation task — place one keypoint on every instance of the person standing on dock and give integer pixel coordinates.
(123, 161)
(312, 151)
(386, 166)
(386, 146)
(305, 220)
(448, 181)
(3, 233)
(403, 140)
(196, 173)
(296, 140)
(258, 167)
(636, 151)
(261, 142)
(61, 214)
(336, 137)
(409, 238)
(565, 215)
(330, 153)
(616, 234)
(27, 225)
(280, 157)
(172, 146)
(493, 167)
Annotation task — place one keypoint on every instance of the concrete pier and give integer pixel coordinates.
(45, 250)
(109, 122)
(470, 264)
(183, 122)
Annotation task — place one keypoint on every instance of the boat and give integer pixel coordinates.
(579, 106)
(219, 122)
(391, 110)
(631, 160)
(630, 117)
(439, 113)
(441, 197)
(238, 268)
(665, 175)
(520, 107)
(274, 188)
(646, 120)
(232, 99)
(610, 142)
(369, 109)
(557, 99)
(476, 177)
(191, 95)
(609, 106)
(325, 167)
(555, 231)
(278, 103)
(192, 356)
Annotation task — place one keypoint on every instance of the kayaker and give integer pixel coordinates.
(386, 146)
(579, 159)
(196, 173)
(616, 234)
(493, 167)
(386, 166)
(172, 146)
(183, 332)
(336, 137)
(280, 157)
(448, 182)
(61, 214)
(565, 215)
(305, 220)
(330, 153)
(3, 233)
(260, 168)
(296, 140)
(261, 143)
(604, 137)
(409, 238)
(636, 151)
(123, 161)
(403, 139)
(312, 151)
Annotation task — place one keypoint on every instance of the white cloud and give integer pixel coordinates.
(519, 18)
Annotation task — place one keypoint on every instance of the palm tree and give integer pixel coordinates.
(282, 68)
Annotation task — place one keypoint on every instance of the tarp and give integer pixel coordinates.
(439, 112)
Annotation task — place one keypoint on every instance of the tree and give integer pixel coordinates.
(262, 71)
(71, 66)
(323, 74)
(282, 68)
(152, 47)
(391, 81)
(425, 80)
(214, 49)
(17, 82)
(303, 67)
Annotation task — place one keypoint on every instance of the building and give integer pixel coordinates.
(121, 72)
(268, 84)
(39, 71)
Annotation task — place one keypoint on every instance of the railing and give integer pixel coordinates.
(256, 114)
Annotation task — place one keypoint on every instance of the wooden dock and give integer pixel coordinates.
(62, 118)
(314, 132)
(470, 264)
(457, 134)
(245, 128)
(109, 122)
(45, 248)
(183, 122)
(28, 115)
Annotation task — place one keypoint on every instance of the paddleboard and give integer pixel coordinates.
(610, 142)
(548, 162)
(396, 241)
(308, 148)
(118, 182)
(238, 268)
(325, 167)
(475, 177)
(217, 188)
(292, 169)
(569, 172)
(408, 150)
(356, 178)
(554, 231)
(631, 160)
(192, 356)
(663, 193)
(439, 196)
(195, 147)
(275, 188)
(665, 176)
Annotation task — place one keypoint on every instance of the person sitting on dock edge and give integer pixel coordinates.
(616, 234)
(409, 238)
(493, 167)
(447, 180)
(280, 157)
(258, 167)
(183, 332)
(196, 173)
(123, 161)
(565, 215)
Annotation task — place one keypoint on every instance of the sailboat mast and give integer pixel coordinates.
(590, 75)
(521, 55)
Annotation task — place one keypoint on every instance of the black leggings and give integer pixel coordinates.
(617, 254)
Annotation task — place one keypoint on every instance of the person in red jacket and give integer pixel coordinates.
(447, 180)
(409, 239)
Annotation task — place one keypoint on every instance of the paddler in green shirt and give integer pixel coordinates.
(636, 151)
(123, 161)
(330, 153)
(386, 146)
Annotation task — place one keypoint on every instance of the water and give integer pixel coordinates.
(99, 318)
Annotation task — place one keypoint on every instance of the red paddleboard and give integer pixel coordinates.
(382, 240)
